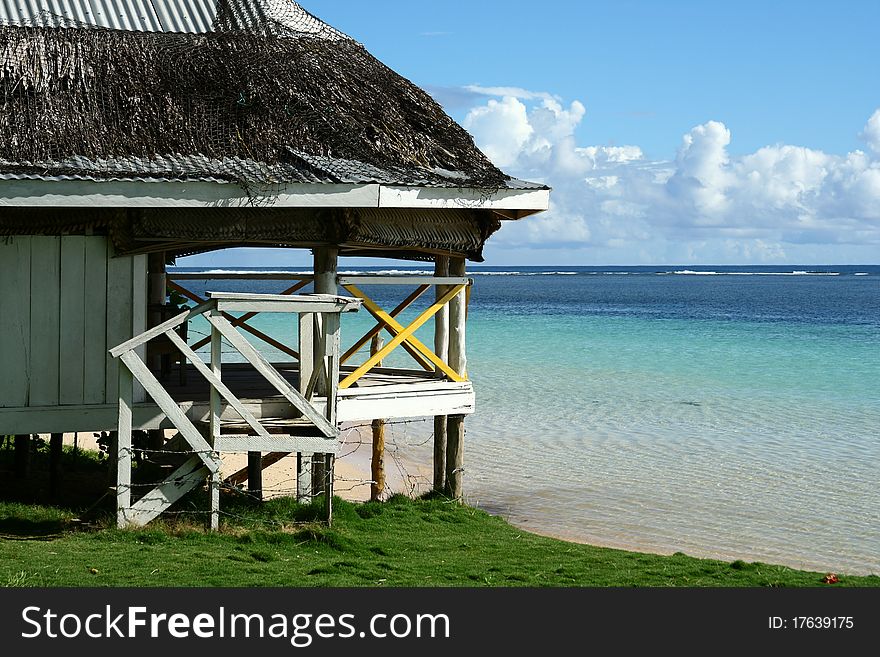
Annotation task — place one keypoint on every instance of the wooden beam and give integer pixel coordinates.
(156, 331)
(277, 443)
(382, 279)
(179, 483)
(267, 276)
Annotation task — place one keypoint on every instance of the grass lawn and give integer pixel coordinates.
(402, 542)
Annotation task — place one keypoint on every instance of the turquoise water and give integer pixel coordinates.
(725, 415)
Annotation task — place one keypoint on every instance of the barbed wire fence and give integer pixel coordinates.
(405, 441)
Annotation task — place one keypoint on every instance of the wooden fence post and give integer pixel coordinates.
(377, 462)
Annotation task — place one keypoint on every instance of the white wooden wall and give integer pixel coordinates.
(64, 301)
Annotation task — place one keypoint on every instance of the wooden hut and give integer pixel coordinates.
(134, 132)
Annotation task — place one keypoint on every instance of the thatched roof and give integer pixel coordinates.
(268, 96)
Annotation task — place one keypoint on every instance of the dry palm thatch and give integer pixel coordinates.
(258, 107)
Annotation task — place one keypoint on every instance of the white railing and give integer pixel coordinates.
(319, 317)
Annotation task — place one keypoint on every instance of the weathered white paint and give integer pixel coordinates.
(95, 321)
(144, 194)
(178, 483)
(404, 280)
(45, 295)
(123, 446)
(474, 199)
(280, 443)
(73, 316)
(15, 323)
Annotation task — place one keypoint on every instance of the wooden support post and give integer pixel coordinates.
(123, 446)
(215, 428)
(22, 456)
(326, 266)
(328, 488)
(255, 474)
(306, 367)
(455, 456)
(458, 362)
(157, 294)
(441, 348)
(56, 451)
(377, 462)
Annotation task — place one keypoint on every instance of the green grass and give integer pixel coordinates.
(403, 542)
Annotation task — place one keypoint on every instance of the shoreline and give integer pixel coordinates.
(405, 475)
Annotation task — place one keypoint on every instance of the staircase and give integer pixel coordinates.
(308, 430)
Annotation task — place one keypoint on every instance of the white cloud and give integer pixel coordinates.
(871, 133)
(513, 92)
(504, 127)
(779, 203)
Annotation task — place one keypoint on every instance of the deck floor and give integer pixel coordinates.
(249, 386)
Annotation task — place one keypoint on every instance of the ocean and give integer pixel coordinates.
(727, 412)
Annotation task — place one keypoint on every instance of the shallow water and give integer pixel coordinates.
(729, 412)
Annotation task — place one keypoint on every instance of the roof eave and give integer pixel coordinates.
(508, 203)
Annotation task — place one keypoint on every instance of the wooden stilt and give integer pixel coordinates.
(458, 362)
(56, 451)
(255, 474)
(440, 441)
(303, 477)
(326, 266)
(328, 488)
(377, 461)
(215, 428)
(22, 455)
(441, 348)
(123, 446)
(455, 456)
(306, 367)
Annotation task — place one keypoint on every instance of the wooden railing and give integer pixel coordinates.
(402, 337)
(449, 288)
(242, 322)
(205, 444)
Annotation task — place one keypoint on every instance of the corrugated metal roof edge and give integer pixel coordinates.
(513, 183)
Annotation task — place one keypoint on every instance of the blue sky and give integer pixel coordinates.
(672, 132)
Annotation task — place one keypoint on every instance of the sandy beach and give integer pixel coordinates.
(352, 471)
